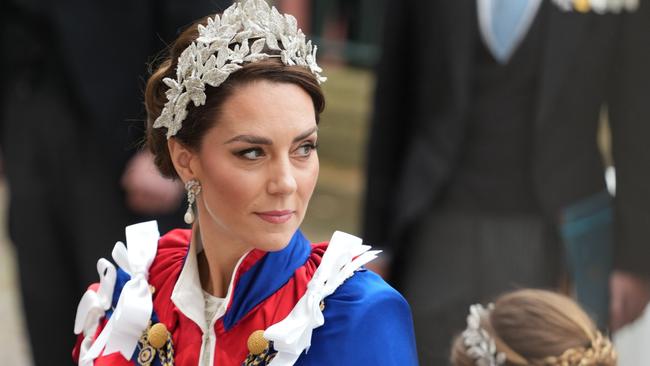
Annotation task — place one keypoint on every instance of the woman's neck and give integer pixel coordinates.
(218, 259)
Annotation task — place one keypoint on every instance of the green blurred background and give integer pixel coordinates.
(342, 138)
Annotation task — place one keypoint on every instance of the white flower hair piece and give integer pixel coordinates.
(480, 346)
(224, 45)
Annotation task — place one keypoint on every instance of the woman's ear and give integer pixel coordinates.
(182, 158)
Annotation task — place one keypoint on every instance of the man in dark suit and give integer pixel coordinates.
(71, 119)
(483, 163)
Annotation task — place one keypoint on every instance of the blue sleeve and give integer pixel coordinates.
(367, 322)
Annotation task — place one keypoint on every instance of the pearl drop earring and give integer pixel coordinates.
(193, 188)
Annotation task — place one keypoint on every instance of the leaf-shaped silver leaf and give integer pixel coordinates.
(171, 83)
(215, 77)
(210, 64)
(255, 57)
(292, 24)
(257, 46)
(230, 68)
(272, 42)
(222, 57)
(242, 36)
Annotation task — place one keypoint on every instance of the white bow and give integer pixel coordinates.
(344, 255)
(93, 305)
(133, 310)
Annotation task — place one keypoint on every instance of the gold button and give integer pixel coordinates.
(322, 305)
(158, 335)
(152, 289)
(257, 343)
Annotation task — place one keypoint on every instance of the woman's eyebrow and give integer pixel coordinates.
(251, 139)
(305, 134)
(259, 140)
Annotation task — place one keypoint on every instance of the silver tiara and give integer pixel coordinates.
(480, 346)
(223, 46)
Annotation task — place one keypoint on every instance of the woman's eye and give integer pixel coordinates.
(252, 153)
(306, 149)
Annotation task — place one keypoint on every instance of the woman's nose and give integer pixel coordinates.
(281, 178)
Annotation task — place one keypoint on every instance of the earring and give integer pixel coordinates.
(193, 188)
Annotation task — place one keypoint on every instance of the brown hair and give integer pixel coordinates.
(537, 327)
(200, 119)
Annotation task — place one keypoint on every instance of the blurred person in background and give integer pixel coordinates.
(69, 111)
(483, 165)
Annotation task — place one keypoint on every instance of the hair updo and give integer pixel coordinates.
(200, 119)
(541, 328)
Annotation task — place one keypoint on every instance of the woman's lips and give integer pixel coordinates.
(276, 217)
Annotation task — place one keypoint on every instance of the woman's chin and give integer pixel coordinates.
(274, 241)
(273, 237)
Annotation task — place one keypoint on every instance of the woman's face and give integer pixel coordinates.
(258, 165)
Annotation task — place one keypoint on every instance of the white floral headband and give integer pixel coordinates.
(212, 57)
(478, 342)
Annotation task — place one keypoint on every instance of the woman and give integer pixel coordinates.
(531, 327)
(233, 112)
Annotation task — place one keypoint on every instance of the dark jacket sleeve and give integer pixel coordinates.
(629, 110)
(390, 122)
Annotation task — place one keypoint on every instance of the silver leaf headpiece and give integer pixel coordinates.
(223, 46)
(480, 346)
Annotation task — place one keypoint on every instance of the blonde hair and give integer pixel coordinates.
(541, 328)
